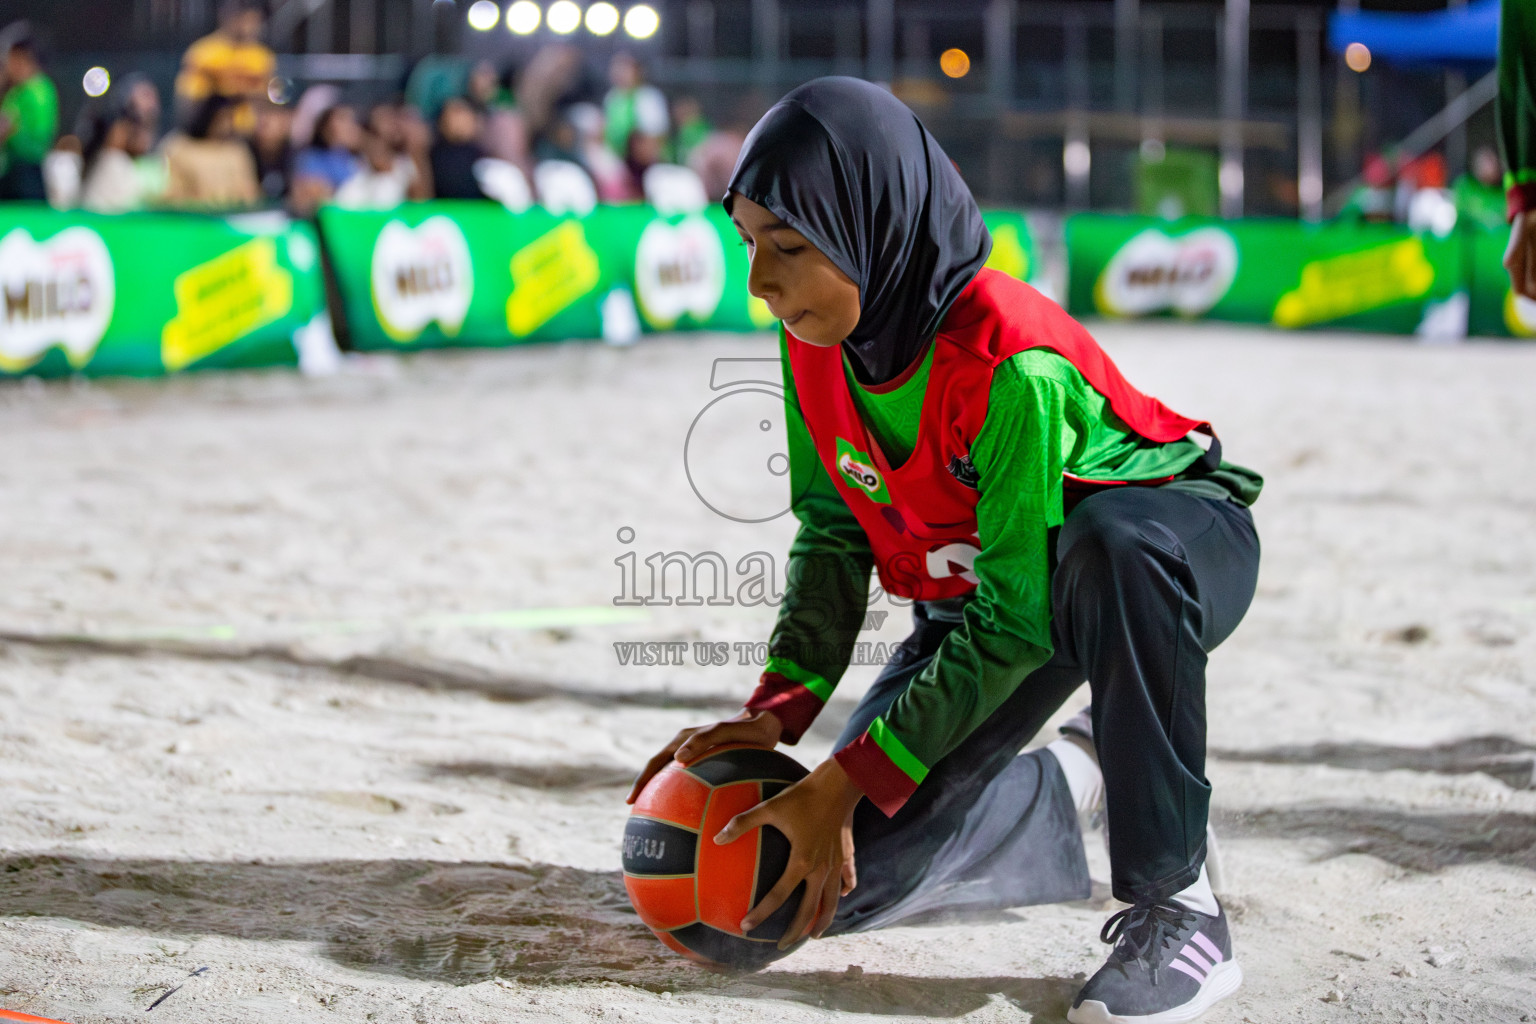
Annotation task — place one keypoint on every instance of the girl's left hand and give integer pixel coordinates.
(816, 816)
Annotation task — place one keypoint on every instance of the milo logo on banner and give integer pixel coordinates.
(1153, 272)
(420, 275)
(59, 292)
(679, 268)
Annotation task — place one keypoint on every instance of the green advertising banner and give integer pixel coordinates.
(471, 273)
(1283, 273)
(429, 275)
(1496, 311)
(146, 294)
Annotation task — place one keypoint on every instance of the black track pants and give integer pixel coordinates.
(1148, 580)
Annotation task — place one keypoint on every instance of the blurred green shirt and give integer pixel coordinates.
(32, 109)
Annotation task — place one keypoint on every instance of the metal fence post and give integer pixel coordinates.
(1000, 52)
(1309, 117)
(1234, 104)
(1127, 15)
(1076, 151)
(881, 61)
(767, 33)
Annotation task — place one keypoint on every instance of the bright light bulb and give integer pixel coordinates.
(483, 15)
(523, 17)
(563, 17)
(97, 81)
(641, 21)
(1357, 57)
(955, 63)
(602, 18)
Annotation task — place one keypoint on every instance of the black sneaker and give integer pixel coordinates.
(1169, 965)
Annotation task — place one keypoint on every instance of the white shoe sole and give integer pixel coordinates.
(1223, 980)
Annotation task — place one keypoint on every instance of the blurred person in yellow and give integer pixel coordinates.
(231, 62)
(209, 167)
(29, 115)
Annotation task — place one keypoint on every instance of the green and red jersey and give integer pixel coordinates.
(1516, 104)
(951, 482)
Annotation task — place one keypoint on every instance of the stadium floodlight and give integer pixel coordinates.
(602, 18)
(483, 15)
(523, 17)
(96, 82)
(563, 17)
(641, 21)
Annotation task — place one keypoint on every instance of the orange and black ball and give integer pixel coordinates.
(693, 893)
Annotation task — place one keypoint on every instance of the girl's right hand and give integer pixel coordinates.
(758, 728)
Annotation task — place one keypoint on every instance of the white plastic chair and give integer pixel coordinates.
(564, 187)
(504, 182)
(672, 188)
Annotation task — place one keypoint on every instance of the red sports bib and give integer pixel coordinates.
(920, 517)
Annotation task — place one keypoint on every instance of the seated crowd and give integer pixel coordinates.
(456, 131)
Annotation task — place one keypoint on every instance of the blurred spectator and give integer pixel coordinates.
(232, 62)
(383, 182)
(409, 135)
(1426, 171)
(272, 149)
(456, 150)
(141, 102)
(559, 142)
(114, 181)
(552, 81)
(1486, 168)
(312, 103)
(210, 167)
(715, 158)
(606, 166)
(63, 169)
(483, 88)
(1372, 201)
(503, 132)
(29, 116)
(631, 106)
(329, 161)
(434, 80)
(1479, 196)
(641, 153)
(689, 128)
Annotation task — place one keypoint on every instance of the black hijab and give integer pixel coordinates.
(851, 168)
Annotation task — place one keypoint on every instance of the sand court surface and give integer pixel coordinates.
(316, 703)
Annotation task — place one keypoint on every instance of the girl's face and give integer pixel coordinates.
(817, 301)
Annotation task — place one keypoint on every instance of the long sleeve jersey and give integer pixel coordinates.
(1516, 103)
(1043, 421)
